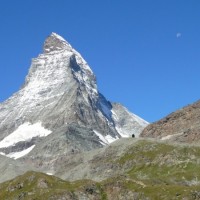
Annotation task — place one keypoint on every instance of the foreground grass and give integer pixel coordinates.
(151, 170)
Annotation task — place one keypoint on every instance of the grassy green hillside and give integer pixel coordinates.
(35, 185)
(152, 170)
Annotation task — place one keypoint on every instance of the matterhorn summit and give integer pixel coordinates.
(59, 110)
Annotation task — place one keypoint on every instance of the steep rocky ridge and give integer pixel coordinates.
(182, 126)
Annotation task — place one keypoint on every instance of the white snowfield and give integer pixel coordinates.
(20, 154)
(49, 173)
(25, 132)
(105, 139)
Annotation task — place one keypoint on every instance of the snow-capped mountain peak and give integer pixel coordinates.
(60, 95)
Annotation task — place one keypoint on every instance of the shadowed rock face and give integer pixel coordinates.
(181, 126)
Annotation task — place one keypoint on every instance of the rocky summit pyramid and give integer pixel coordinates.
(59, 109)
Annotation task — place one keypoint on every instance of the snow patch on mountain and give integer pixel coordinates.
(49, 173)
(24, 132)
(122, 133)
(105, 139)
(110, 139)
(58, 36)
(20, 154)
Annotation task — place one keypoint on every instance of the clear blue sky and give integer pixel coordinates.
(145, 54)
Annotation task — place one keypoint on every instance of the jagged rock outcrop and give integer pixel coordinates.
(181, 126)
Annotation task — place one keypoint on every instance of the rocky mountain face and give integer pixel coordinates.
(181, 126)
(59, 111)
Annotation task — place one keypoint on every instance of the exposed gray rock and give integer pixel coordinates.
(10, 168)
